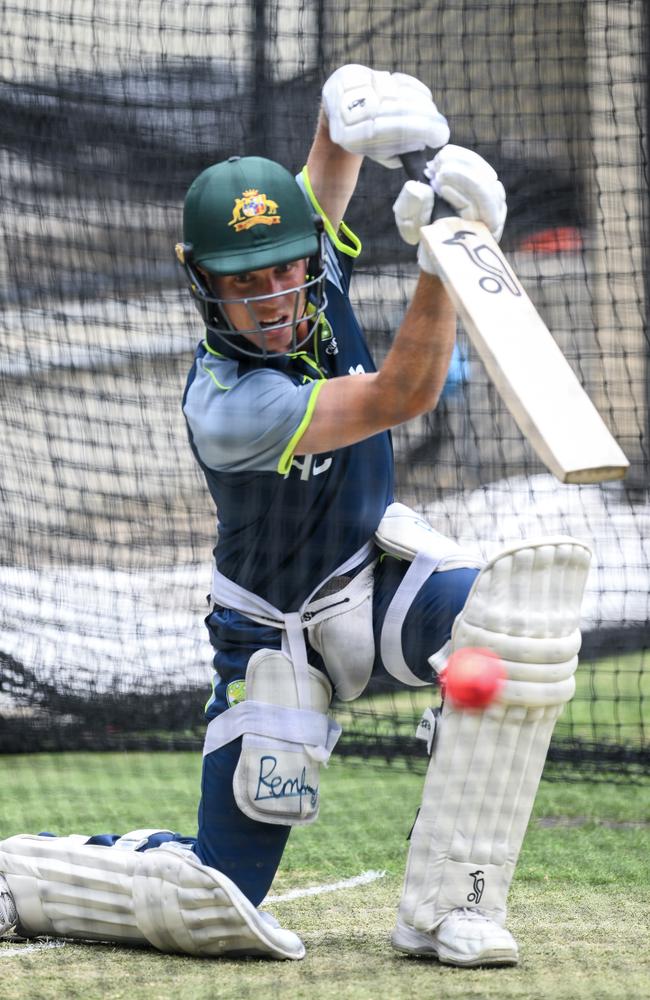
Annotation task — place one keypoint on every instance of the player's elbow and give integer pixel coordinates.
(424, 401)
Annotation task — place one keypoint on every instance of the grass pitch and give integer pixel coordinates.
(578, 907)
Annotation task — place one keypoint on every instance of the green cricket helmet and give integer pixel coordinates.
(246, 214)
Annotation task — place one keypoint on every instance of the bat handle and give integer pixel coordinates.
(414, 164)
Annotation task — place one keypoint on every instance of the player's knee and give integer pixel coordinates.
(438, 603)
(419, 595)
(430, 618)
(452, 597)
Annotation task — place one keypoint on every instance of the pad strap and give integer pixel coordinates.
(391, 634)
(275, 722)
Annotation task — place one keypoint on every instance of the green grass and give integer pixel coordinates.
(612, 699)
(578, 907)
(611, 704)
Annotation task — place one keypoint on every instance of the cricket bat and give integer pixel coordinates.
(522, 359)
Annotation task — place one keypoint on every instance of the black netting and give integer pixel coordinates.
(108, 111)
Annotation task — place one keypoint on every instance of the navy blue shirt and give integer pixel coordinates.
(286, 522)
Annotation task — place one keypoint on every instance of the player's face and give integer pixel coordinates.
(270, 298)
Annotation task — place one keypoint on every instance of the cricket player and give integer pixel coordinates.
(320, 576)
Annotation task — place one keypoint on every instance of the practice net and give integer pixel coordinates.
(109, 110)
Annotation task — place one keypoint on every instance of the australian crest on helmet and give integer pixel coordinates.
(253, 209)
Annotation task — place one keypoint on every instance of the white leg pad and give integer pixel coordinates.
(486, 766)
(164, 897)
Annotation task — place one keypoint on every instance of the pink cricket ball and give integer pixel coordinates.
(473, 677)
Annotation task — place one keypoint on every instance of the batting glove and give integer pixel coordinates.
(380, 115)
(412, 210)
(470, 185)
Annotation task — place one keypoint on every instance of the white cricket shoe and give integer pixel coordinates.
(465, 937)
(8, 912)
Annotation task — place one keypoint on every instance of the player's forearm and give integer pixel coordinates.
(333, 173)
(354, 407)
(414, 371)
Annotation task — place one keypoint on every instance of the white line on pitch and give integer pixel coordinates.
(6, 952)
(316, 890)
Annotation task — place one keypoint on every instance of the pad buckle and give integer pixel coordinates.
(428, 727)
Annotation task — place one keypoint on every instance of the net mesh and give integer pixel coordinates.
(109, 110)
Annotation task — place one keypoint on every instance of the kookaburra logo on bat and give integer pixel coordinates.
(497, 275)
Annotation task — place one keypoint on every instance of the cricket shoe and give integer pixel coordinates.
(8, 912)
(465, 937)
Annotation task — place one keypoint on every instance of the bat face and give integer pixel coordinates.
(493, 273)
(521, 357)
